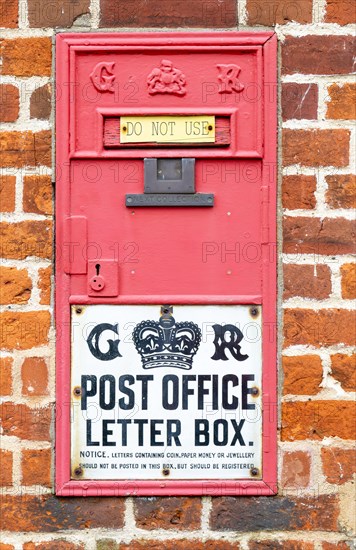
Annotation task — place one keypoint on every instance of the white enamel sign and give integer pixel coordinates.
(168, 392)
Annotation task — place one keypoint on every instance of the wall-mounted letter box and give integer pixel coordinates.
(166, 278)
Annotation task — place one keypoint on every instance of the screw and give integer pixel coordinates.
(124, 128)
(77, 391)
(255, 391)
(78, 310)
(254, 471)
(166, 471)
(254, 311)
(78, 471)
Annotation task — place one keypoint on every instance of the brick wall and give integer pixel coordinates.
(315, 508)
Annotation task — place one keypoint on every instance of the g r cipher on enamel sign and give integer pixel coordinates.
(166, 264)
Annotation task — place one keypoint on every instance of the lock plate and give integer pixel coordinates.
(103, 278)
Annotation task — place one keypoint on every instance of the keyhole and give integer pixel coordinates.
(97, 282)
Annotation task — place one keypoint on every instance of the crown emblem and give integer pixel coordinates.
(167, 343)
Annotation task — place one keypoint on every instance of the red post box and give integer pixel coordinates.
(166, 264)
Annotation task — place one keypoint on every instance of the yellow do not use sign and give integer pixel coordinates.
(167, 129)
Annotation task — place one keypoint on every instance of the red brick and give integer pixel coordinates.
(44, 284)
(307, 281)
(341, 191)
(25, 422)
(167, 513)
(5, 375)
(299, 101)
(40, 103)
(348, 281)
(25, 149)
(169, 13)
(5, 468)
(272, 12)
(341, 12)
(57, 544)
(298, 192)
(37, 194)
(246, 514)
(27, 513)
(280, 545)
(26, 56)
(318, 54)
(323, 327)
(24, 330)
(339, 465)
(61, 13)
(7, 193)
(316, 147)
(9, 101)
(302, 375)
(23, 239)
(342, 545)
(36, 467)
(34, 374)
(343, 369)
(15, 285)
(318, 419)
(9, 15)
(342, 104)
(295, 470)
(304, 235)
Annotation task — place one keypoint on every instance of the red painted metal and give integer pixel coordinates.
(220, 255)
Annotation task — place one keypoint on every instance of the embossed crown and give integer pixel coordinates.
(167, 343)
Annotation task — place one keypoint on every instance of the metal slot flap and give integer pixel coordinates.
(169, 175)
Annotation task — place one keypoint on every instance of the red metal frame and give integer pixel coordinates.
(68, 46)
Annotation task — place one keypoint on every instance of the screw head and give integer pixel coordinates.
(254, 311)
(166, 471)
(78, 471)
(77, 391)
(254, 471)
